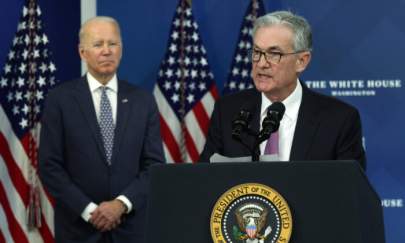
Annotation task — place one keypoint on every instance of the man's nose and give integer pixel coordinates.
(106, 49)
(262, 62)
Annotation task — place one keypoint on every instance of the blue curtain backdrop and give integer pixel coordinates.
(358, 56)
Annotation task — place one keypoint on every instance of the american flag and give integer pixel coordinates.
(239, 73)
(26, 210)
(185, 90)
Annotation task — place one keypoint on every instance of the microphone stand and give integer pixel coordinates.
(270, 124)
(255, 150)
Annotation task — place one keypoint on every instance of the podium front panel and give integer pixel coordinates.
(331, 201)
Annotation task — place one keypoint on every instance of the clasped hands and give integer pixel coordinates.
(107, 216)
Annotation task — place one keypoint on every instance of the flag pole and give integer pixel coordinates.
(34, 206)
(183, 36)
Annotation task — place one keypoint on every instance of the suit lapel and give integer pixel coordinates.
(124, 104)
(307, 125)
(85, 102)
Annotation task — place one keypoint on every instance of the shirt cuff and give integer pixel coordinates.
(86, 214)
(127, 203)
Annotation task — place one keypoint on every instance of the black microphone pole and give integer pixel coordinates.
(240, 125)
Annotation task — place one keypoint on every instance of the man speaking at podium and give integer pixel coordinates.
(314, 126)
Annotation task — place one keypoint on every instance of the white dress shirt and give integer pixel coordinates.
(112, 94)
(288, 122)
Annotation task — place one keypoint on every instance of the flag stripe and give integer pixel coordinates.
(2, 239)
(14, 227)
(15, 147)
(18, 161)
(17, 177)
(45, 231)
(169, 116)
(25, 145)
(170, 141)
(4, 231)
(214, 92)
(169, 127)
(16, 202)
(167, 152)
(11, 155)
(47, 214)
(208, 101)
(191, 147)
(196, 134)
(22, 188)
(202, 117)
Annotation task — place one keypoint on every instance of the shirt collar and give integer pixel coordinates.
(94, 84)
(292, 103)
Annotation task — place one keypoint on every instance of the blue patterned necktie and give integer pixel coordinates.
(106, 123)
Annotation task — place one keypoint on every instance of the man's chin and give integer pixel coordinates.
(263, 87)
(108, 71)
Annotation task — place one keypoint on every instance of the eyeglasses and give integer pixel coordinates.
(273, 57)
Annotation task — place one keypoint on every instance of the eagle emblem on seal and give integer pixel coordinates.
(251, 219)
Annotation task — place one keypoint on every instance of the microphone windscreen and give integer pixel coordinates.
(278, 108)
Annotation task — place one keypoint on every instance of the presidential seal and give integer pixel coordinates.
(251, 213)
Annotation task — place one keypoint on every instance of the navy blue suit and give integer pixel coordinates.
(73, 165)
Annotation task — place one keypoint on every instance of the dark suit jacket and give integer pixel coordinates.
(327, 129)
(73, 165)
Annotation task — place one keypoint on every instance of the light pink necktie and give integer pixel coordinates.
(272, 144)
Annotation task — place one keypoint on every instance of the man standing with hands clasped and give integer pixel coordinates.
(99, 136)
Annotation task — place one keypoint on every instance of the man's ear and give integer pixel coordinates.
(303, 60)
(81, 52)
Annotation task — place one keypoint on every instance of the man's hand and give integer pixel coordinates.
(107, 216)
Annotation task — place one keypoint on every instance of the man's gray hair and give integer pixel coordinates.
(98, 19)
(299, 26)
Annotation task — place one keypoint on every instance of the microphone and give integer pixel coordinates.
(271, 122)
(241, 123)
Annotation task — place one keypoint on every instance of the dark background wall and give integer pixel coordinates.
(357, 42)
